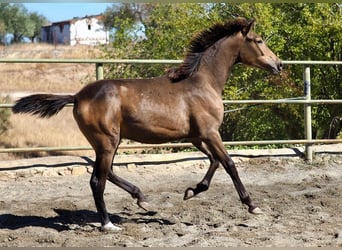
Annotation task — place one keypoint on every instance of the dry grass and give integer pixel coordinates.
(30, 131)
(42, 76)
(20, 79)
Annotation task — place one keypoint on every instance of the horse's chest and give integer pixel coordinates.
(208, 108)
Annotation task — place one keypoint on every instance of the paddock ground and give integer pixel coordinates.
(47, 201)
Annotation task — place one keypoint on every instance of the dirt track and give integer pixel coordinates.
(48, 202)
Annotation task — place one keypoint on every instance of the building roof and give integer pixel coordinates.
(73, 20)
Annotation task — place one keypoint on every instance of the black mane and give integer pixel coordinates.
(200, 43)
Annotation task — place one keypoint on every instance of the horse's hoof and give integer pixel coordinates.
(145, 205)
(109, 227)
(189, 193)
(255, 210)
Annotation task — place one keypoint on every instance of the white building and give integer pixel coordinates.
(87, 30)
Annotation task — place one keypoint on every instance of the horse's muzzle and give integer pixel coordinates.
(280, 66)
(276, 67)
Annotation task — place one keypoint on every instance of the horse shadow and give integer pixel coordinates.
(66, 219)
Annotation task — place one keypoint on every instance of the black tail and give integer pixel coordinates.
(44, 105)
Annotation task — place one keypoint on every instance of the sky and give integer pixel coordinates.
(56, 12)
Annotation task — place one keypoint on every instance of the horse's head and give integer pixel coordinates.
(254, 52)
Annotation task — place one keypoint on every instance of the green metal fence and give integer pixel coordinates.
(306, 101)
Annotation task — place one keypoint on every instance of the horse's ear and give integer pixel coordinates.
(246, 29)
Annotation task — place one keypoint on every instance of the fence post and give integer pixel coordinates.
(99, 71)
(307, 113)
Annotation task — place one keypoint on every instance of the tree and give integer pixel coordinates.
(15, 17)
(156, 31)
(133, 12)
(298, 32)
(2, 31)
(16, 20)
(313, 32)
(3, 23)
(37, 21)
(4, 117)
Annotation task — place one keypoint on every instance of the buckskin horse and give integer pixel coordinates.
(184, 103)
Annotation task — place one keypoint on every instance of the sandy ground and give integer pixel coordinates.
(48, 202)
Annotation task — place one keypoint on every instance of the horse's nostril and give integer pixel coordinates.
(280, 66)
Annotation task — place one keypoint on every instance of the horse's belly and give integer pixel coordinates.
(154, 131)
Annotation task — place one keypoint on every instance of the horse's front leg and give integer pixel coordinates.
(219, 152)
(134, 191)
(204, 184)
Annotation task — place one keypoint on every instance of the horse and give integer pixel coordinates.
(183, 103)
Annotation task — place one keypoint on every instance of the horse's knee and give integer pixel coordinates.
(230, 167)
(230, 163)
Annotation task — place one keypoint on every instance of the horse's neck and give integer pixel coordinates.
(218, 61)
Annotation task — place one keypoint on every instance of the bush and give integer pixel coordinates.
(5, 114)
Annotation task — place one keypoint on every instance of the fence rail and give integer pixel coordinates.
(305, 100)
(169, 145)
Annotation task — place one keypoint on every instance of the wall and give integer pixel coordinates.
(87, 31)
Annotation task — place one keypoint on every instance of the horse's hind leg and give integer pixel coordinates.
(98, 179)
(204, 184)
(130, 188)
(103, 171)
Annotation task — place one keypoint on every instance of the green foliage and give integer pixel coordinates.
(37, 21)
(15, 19)
(4, 117)
(296, 31)
(313, 32)
(164, 37)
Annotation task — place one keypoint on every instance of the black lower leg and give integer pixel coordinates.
(240, 188)
(204, 184)
(97, 187)
(133, 190)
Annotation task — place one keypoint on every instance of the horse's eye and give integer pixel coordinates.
(259, 41)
